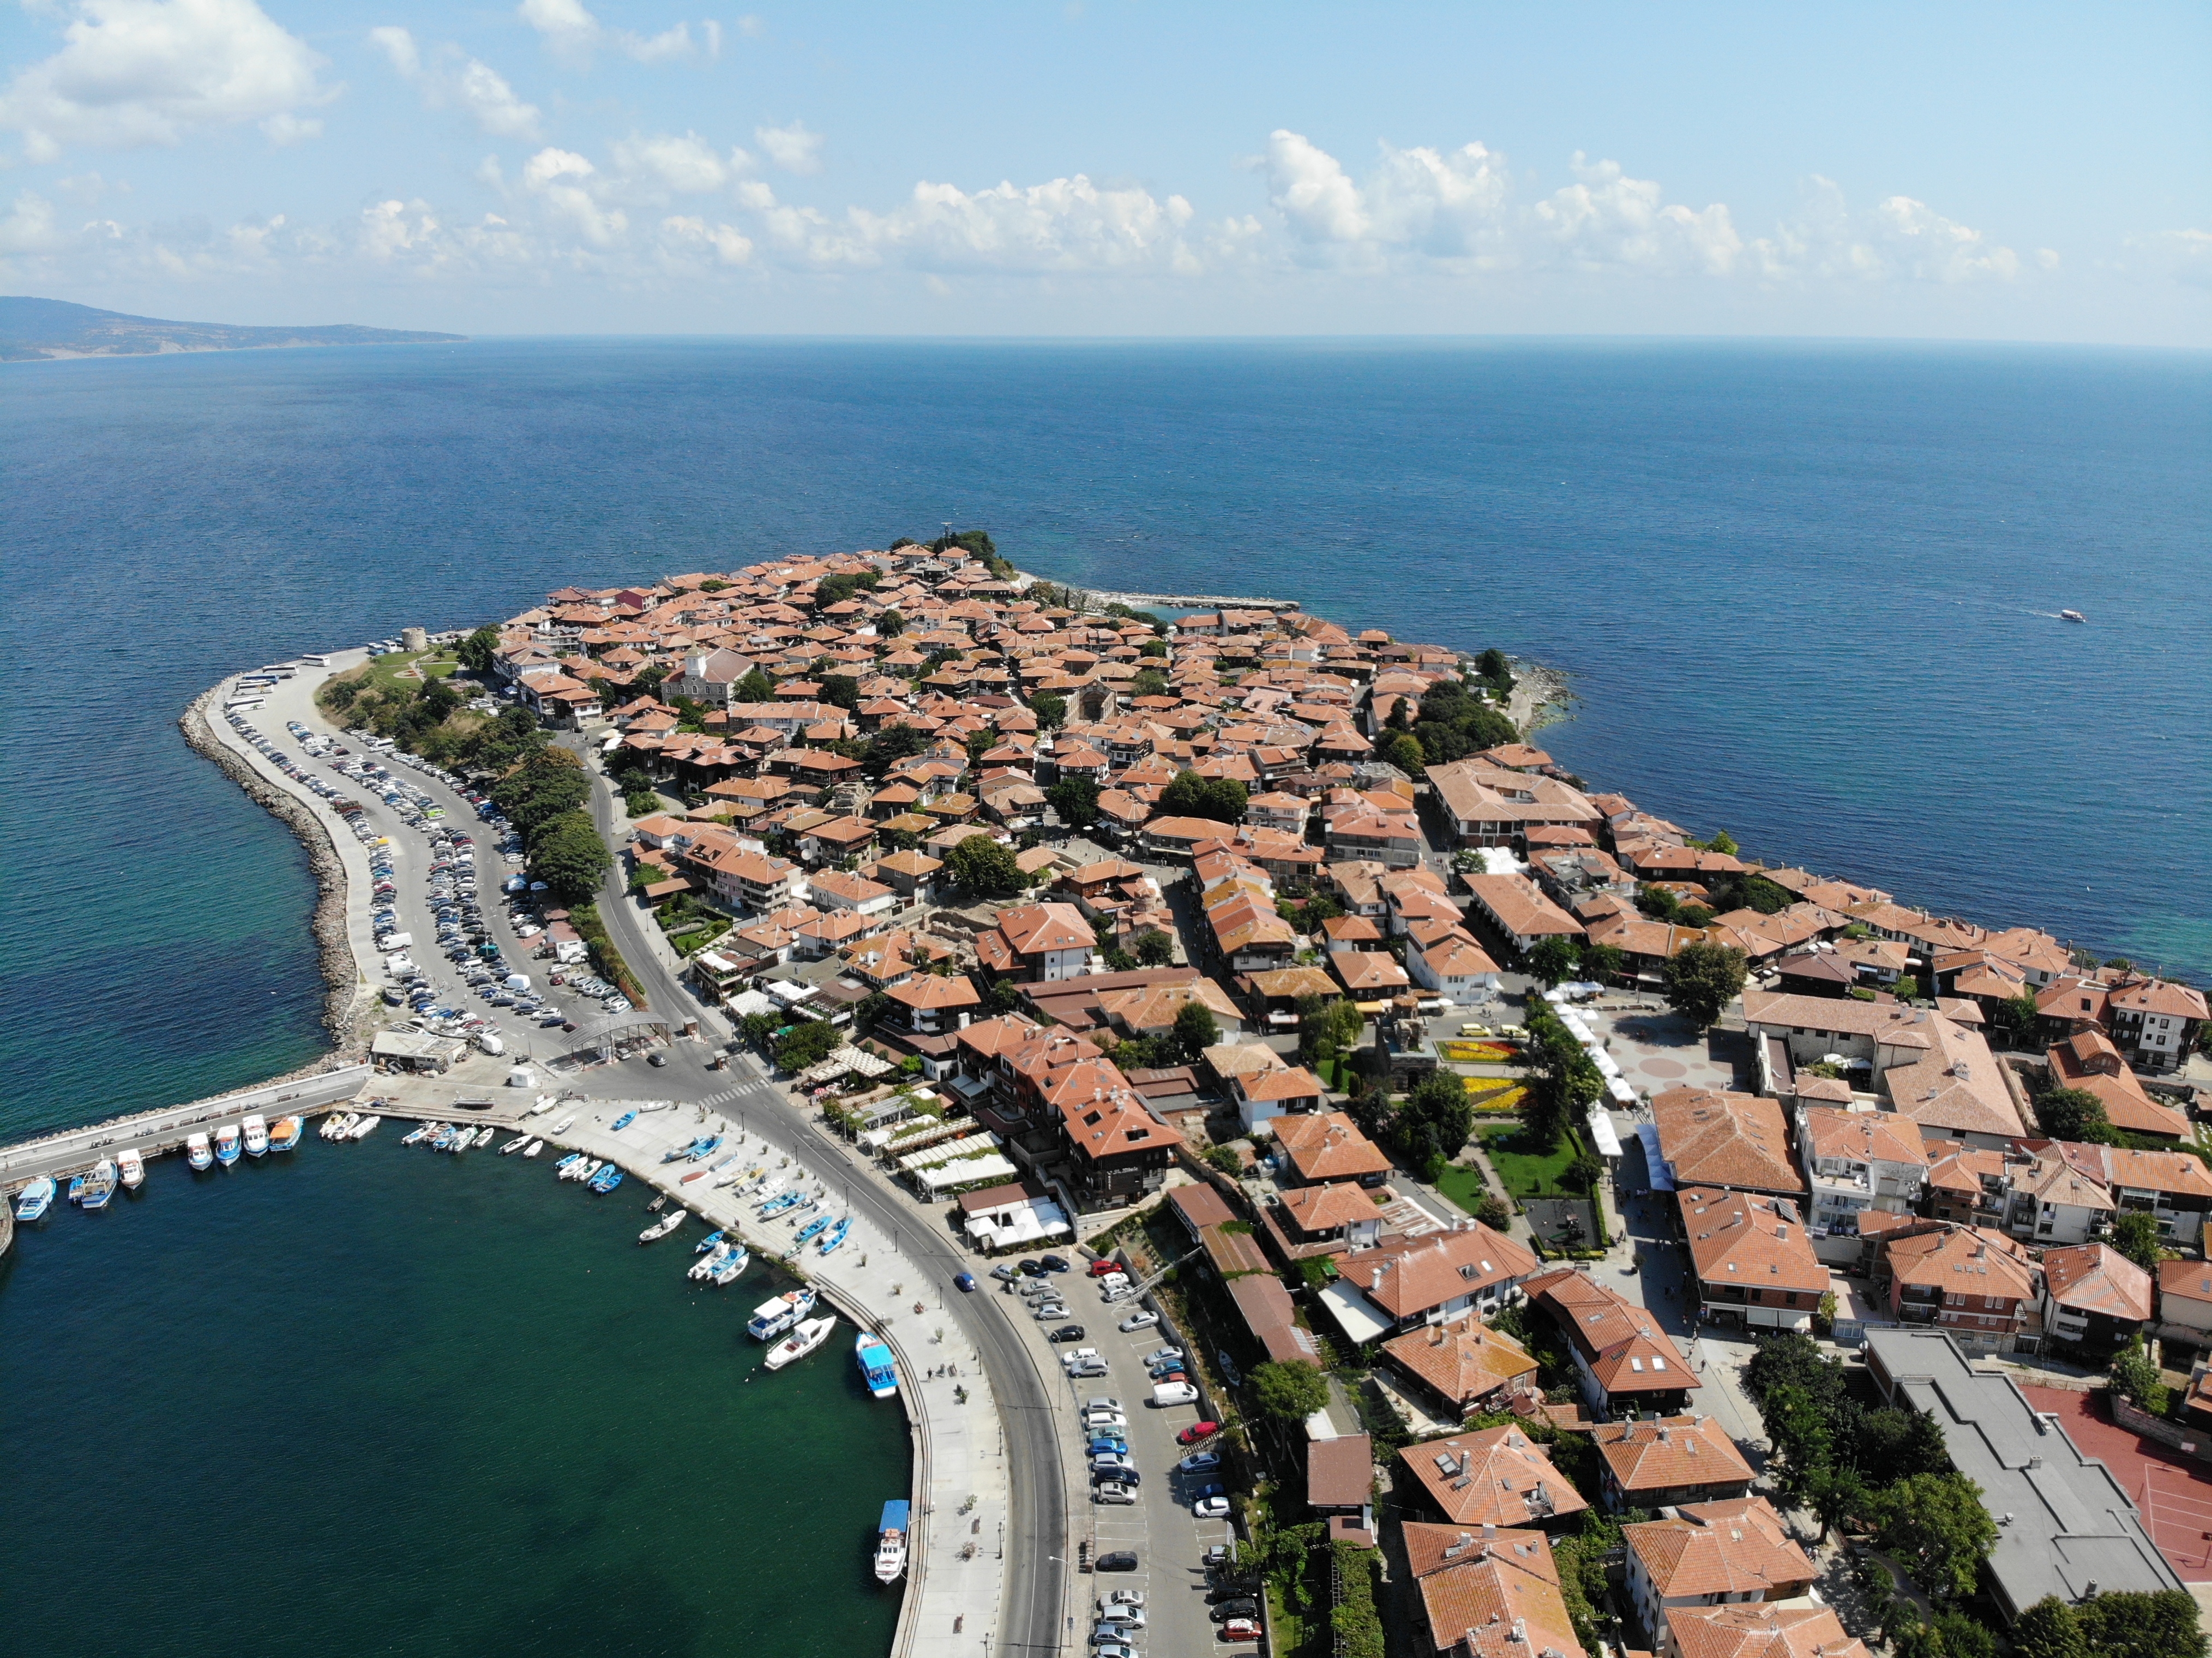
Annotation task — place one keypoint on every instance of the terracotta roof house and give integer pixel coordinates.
(1714, 1553)
(2093, 1296)
(1037, 943)
(1859, 1160)
(1496, 1476)
(1369, 975)
(1340, 1486)
(1709, 1138)
(1665, 1462)
(1761, 1631)
(1972, 1283)
(2090, 1060)
(1755, 1263)
(2172, 1187)
(1623, 1356)
(1275, 1094)
(1490, 1592)
(1313, 1217)
(1462, 1364)
(1326, 1145)
(1518, 910)
(1405, 1282)
(2156, 1021)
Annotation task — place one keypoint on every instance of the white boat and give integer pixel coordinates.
(2072, 616)
(421, 1131)
(562, 1126)
(811, 1334)
(533, 1148)
(774, 1317)
(890, 1541)
(197, 1153)
(661, 1228)
(363, 1129)
(131, 1167)
(256, 1130)
(732, 1267)
(336, 1127)
(514, 1146)
(543, 1103)
(484, 1134)
(710, 1263)
(586, 1170)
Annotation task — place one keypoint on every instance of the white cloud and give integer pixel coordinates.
(1898, 239)
(29, 227)
(684, 166)
(450, 79)
(729, 245)
(1609, 219)
(549, 175)
(571, 32)
(284, 128)
(136, 72)
(792, 148)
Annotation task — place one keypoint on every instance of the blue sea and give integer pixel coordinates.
(1807, 592)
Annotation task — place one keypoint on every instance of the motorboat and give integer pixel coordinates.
(284, 1133)
(256, 1130)
(732, 1267)
(338, 1127)
(778, 1205)
(709, 1241)
(560, 1170)
(890, 1541)
(34, 1199)
(421, 1131)
(2072, 616)
(807, 1232)
(92, 1191)
(131, 1167)
(226, 1143)
(773, 1317)
(196, 1152)
(661, 1228)
(811, 1334)
(562, 1126)
(364, 1128)
(877, 1368)
(677, 1153)
(485, 1134)
(514, 1146)
(704, 1149)
(711, 1262)
(534, 1149)
(622, 1122)
(609, 1177)
(835, 1236)
(585, 1170)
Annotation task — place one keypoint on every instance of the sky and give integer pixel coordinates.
(1101, 168)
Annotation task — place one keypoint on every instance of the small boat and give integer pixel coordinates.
(732, 1267)
(777, 1205)
(702, 1149)
(363, 1129)
(534, 1149)
(800, 1342)
(562, 1126)
(710, 1263)
(92, 1191)
(773, 1317)
(256, 1130)
(890, 1541)
(561, 1168)
(226, 1143)
(543, 1103)
(658, 1202)
(197, 1152)
(34, 1199)
(514, 1146)
(623, 1122)
(718, 1167)
(818, 1225)
(697, 1174)
(586, 1170)
(339, 1125)
(836, 1235)
(675, 1153)
(421, 1131)
(708, 1243)
(484, 1135)
(131, 1167)
(284, 1133)
(2072, 616)
(877, 1368)
(609, 1177)
(661, 1228)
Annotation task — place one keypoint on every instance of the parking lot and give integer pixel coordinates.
(1159, 1528)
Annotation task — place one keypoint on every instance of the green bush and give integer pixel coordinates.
(1356, 1620)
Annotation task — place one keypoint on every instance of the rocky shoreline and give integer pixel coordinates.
(342, 998)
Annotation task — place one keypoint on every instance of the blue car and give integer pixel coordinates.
(1101, 1443)
(965, 1282)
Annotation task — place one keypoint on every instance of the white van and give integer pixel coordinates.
(1166, 1393)
(490, 1042)
(392, 941)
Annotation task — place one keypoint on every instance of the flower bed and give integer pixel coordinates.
(1478, 1053)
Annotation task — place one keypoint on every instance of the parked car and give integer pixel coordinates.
(1097, 1420)
(1031, 1268)
(1089, 1371)
(1123, 1597)
(1140, 1320)
(1106, 1445)
(1210, 1507)
(1045, 1311)
(1117, 1560)
(1068, 1333)
(1166, 1394)
(1242, 1605)
(1112, 1490)
(1099, 1402)
(1159, 1353)
(1053, 1263)
(1131, 1618)
(1100, 1267)
(1203, 1462)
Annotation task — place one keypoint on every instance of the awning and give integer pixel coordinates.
(1354, 1313)
(1602, 1135)
(1649, 1134)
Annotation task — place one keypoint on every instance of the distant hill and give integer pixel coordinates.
(33, 328)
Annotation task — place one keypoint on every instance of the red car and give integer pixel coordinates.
(1101, 1267)
(1240, 1629)
(1196, 1431)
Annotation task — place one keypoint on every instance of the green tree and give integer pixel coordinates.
(1605, 963)
(1404, 751)
(1154, 948)
(1196, 1030)
(2049, 1628)
(1225, 1158)
(890, 625)
(475, 651)
(1494, 1212)
(1563, 1081)
(1436, 1120)
(338, 696)
(1289, 1390)
(755, 687)
(1075, 800)
(2012, 1021)
(1149, 682)
(757, 1028)
(1764, 895)
(1702, 979)
(1051, 708)
(1190, 795)
(569, 857)
(2134, 1377)
(1936, 1524)
(2135, 1235)
(985, 867)
(549, 783)
(1906, 989)
(1554, 959)
(1660, 903)
(2127, 1625)
(2071, 1113)
(840, 690)
(890, 745)
(806, 1044)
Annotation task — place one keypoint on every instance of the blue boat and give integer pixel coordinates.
(623, 1122)
(707, 1242)
(606, 1180)
(703, 1149)
(777, 1205)
(92, 1191)
(34, 1199)
(812, 1227)
(878, 1369)
(226, 1143)
(837, 1234)
(676, 1152)
(567, 1163)
(890, 1541)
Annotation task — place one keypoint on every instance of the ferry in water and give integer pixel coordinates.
(131, 1167)
(196, 1152)
(772, 1318)
(256, 1130)
(285, 1134)
(34, 1199)
(890, 1541)
(226, 1143)
(877, 1368)
(810, 1333)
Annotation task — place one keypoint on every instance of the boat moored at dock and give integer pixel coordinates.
(34, 1199)
(877, 1368)
(130, 1167)
(664, 1226)
(733, 1266)
(363, 1129)
(534, 1149)
(609, 1177)
(810, 1333)
(226, 1143)
(197, 1153)
(284, 1133)
(92, 1191)
(890, 1541)
(772, 1318)
(255, 1129)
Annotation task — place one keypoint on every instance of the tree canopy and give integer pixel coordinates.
(569, 857)
(1937, 1525)
(1196, 1030)
(1289, 1391)
(1075, 800)
(475, 651)
(1190, 795)
(2072, 1113)
(1051, 708)
(1702, 977)
(755, 687)
(806, 1044)
(549, 783)
(1436, 1120)
(985, 867)
(1554, 959)
(1452, 724)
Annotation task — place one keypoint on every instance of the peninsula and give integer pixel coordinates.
(34, 330)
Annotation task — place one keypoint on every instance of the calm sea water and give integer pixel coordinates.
(1808, 593)
(367, 1400)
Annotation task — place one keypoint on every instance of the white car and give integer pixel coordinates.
(1082, 1355)
(1154, 1357)
(1140, 1321)
(1120, 1292)
(1168, 1393)
(1123, 1597)
(1112, 1280)
(1101, 1403)
(1210, 1507)
(1096, 1419)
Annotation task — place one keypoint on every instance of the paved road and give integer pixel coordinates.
(1037, 1535)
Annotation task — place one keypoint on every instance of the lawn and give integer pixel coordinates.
(1526, 1171)
(1462, 1185)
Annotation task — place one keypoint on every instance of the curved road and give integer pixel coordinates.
(1037, 1521)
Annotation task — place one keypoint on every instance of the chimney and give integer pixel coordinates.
(1466, 1461)
(1488, 1529)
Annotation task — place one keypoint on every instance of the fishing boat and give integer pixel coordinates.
(514, 1146)
(256, 1130)
(609, 1177)
(777, 1205)
(623, 1122)
(661, 1228)
(677, 1153)
(732, 1267)
(131, 1167)
(533, 1148)
(92, 1191)
(697, 1174)
(363, 1129)
(836, 1235)
(484, 1135)
(709, 1241)
(702, 1149)
(819, 1224)
(284, 1133)
(716, 1169)
(562, 1126)
(2072, 616)
(586, 1170)
(890, 1541)
(773, 1317)
(197, 1152)
(800, 1342)
(710, 1263)
(226, 1143)
(877, 1368)
(34, 1199)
